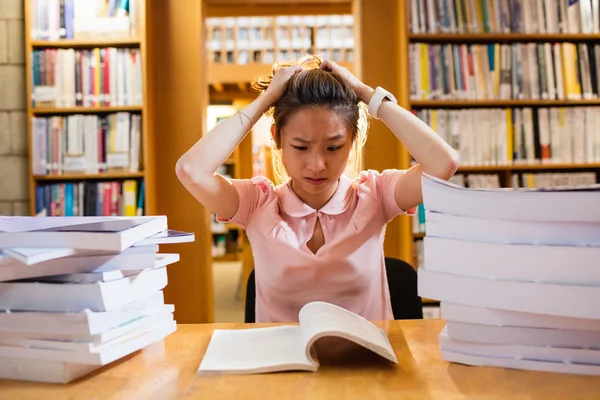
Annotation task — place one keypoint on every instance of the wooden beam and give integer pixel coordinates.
(278, 3)
(379, 67)
(252, 8)
(177, 105)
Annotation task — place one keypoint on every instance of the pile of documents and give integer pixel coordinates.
(517, 273)
(77, 293)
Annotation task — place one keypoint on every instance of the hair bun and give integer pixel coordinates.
(309, 61)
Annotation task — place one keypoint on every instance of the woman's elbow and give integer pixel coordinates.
(183, 170)
(453, 163)
(449, 166)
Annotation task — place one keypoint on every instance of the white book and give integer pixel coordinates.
(167, 237)
(88, 344)
(134, 258)
(99, 233)
(112, 332)
(161, 260)
(539, 298)
(103, 355)
(81, 323)
(498, 317)
(35, 255)
(43, 371)
(539, 204)
(533, 353)
(512, 231)
(98, 296)
(514, 262)
(516, 335)
(290, 347)
(517, 363)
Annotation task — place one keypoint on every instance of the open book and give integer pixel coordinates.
(290, 347)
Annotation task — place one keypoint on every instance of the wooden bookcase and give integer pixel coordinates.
(505, 172)
(134, 38)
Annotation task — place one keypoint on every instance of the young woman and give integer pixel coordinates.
(317, 233)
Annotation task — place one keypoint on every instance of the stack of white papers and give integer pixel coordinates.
(77, 293)
(517, 272)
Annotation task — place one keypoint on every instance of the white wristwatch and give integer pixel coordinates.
(378, 96)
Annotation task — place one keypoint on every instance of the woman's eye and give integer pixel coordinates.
(334, 148)
(299, 148)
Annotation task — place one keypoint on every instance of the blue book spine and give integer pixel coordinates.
(69, 17)
(69, 199)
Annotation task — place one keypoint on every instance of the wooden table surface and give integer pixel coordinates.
(167, 370)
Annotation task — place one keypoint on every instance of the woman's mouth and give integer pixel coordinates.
(315, 181)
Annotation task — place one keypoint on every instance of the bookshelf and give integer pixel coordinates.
(563, 80)
(88, 135)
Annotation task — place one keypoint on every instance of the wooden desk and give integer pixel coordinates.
(167, 371)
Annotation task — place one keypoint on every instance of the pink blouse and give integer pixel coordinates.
(348, 270)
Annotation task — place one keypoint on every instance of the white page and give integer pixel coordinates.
(528, 204)
(497, 317)
(110, 333)
(533, 353)
(537, 298)
(522, 336)
(513, 363)
(255, 350)
(12, 270)
(82, 323)
(513, 232)
(514, 262)
(319, 319)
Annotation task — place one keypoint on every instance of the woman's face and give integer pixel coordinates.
(315, 145)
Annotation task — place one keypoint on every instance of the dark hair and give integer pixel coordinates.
(315, 87)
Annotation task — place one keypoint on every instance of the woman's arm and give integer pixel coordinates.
(433, 155)
(196, 169)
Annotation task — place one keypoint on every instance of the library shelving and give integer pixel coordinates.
(242, 48)
(88, 139)
(526, 79)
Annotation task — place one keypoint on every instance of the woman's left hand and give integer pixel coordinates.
(364, 92)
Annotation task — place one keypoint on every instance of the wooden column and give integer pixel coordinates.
(380, 65)
(177, 111)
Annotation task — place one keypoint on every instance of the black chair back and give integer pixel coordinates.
(402, 283)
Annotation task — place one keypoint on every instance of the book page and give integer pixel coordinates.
(319, 319)
(255, 350)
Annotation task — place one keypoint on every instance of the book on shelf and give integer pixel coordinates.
(519, 136)
(264, 40)
(483, 243)
(291, 347)
(89, 198)
(495, 71)
(88, 144)
(97, 77)
(84, 300)
(84, 19)
(504, 16)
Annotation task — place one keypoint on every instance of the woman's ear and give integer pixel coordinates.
(274, 135)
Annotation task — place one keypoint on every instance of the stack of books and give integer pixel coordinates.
(516, 272)
(77, 293)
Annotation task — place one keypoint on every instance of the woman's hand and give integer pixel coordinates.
(278, 83)
(363, 91)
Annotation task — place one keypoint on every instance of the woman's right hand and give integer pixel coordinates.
(279, 81)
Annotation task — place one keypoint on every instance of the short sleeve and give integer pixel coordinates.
(253, 194)
(385, 185)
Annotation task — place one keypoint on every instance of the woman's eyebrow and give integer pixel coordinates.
(330, 138)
